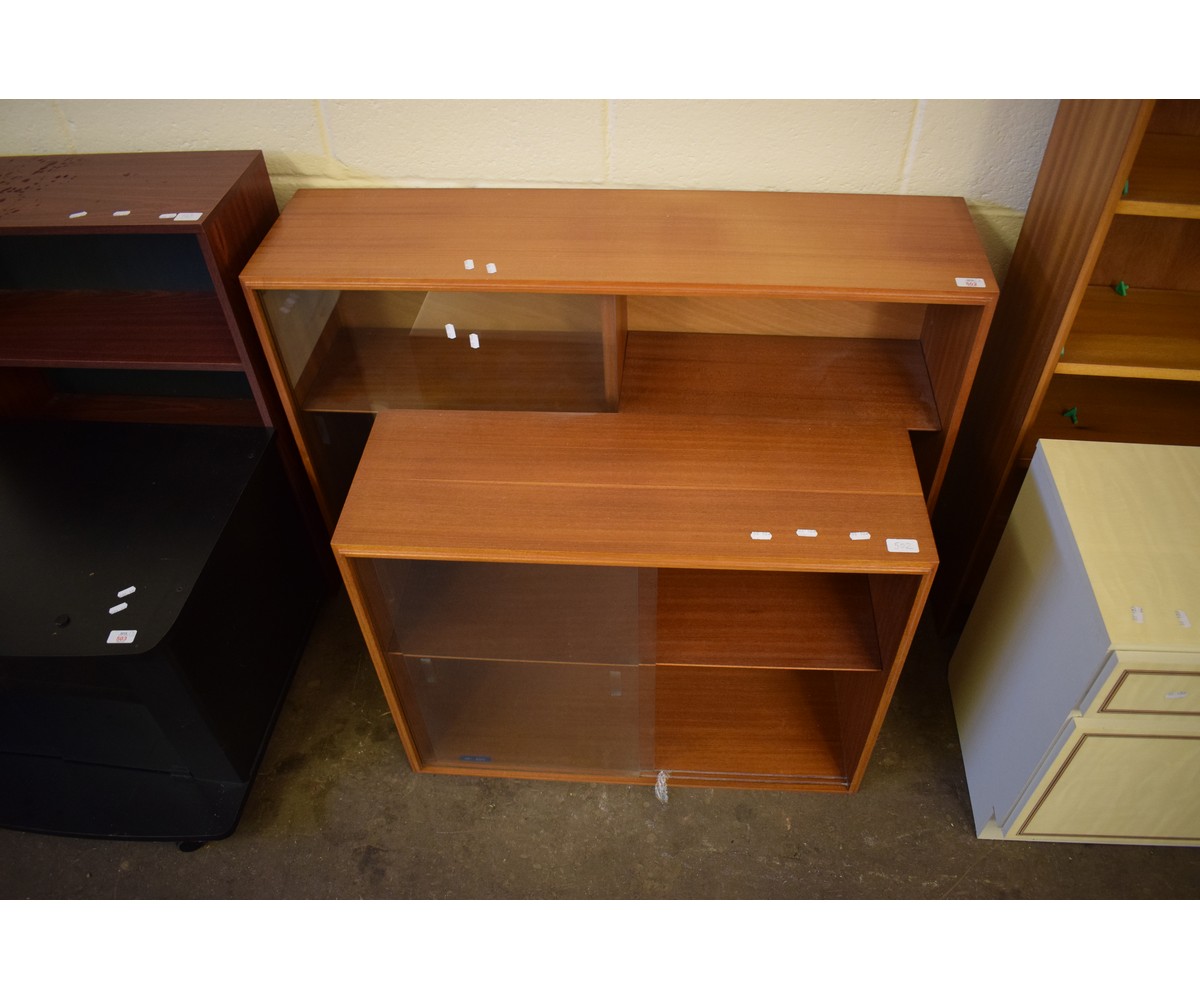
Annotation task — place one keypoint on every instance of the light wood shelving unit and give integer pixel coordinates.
(557, 534)
(1097, 332)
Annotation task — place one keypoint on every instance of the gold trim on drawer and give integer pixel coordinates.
(1154, 692)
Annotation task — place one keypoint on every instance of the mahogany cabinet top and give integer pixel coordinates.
(628, 242)
(118, 192)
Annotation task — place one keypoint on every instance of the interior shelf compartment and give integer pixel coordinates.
(368, 370)
(562, 719)
(1165, 179)
(90, 328)
(1147, 333)
(366, 351)
(1148, 252)
(1138, 410)
(134, 395)
(749, 727)
(526, 612)
(799, 621)
(779, 376)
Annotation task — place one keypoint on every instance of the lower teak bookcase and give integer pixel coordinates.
(610, 596)
(627, 485)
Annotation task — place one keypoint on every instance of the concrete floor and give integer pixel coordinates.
(336, 813)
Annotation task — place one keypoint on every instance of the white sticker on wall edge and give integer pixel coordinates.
(761, 536)
(970, 282)
(859, 536)
(903, 545)
(807, 532)
(121, 635)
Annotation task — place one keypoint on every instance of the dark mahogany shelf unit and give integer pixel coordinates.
(161, 546)
(113, 263)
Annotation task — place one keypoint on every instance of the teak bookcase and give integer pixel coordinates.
(1097, 332)
(648, 475)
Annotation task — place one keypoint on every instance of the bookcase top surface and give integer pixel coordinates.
(884, 247)
(116, 191)
(636, 489)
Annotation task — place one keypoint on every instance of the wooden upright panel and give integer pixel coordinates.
(1087, 160)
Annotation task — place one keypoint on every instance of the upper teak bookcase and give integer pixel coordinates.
(648, 483)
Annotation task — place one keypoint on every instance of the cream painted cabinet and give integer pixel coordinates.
(1076, 683)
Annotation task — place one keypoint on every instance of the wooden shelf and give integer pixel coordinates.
(1143, 411)
(635, 490)
(797, 621)
(743, 726)
(1148, 333)
(369, 370)
(610, 242)
(1165, 180)
(134, 329)
(149, 409)
(839, 380)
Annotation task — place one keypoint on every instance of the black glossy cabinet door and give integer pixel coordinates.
(157, 593)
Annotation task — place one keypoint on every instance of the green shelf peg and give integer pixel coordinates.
(1121, 288)
(1072, 415)
(1125, 189)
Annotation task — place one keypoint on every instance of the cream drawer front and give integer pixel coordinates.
(1142, 684)
(1117, 787)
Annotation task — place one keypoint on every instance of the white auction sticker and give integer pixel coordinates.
(970, 282)
(122, 635)
(903, 545)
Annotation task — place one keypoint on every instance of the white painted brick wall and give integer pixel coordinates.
(987, 152)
